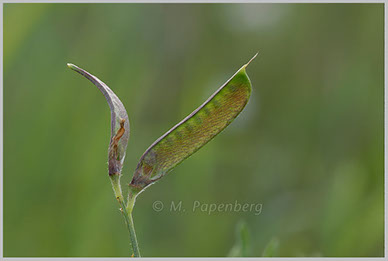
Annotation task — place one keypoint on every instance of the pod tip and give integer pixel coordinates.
(251, 59)
(71, 66)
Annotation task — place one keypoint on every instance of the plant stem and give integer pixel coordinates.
(115, 179)
(131, 229)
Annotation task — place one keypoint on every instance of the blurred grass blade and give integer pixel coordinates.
(241, 247)
(119, 122)
(271, 250)
(189, 135)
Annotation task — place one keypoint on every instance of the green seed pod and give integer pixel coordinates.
(193, 132)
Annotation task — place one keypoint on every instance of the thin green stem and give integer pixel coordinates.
(115, 179)
(131, 229)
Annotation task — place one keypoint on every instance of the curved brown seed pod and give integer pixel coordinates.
(119, 122)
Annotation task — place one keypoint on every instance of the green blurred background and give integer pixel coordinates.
(309, 145)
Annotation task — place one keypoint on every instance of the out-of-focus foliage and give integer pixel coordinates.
(241, 246)
(271, 250)
(308, 147)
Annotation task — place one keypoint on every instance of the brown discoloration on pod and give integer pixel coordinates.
(115, 164)
(120, 132)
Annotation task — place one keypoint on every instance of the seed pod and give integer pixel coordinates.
(119, 123)
(193, 132)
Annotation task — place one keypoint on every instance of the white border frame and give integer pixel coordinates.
(198, 1)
